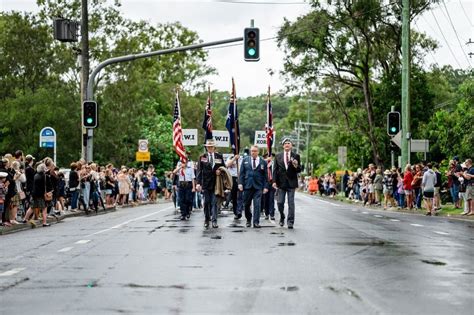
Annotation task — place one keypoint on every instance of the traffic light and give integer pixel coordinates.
(251, 44)
(89, 114)
(393, 123)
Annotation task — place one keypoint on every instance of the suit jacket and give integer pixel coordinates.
(286, 178)
(206, 174)
(250, 178)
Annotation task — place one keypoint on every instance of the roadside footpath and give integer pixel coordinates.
(32, 224)
(445, 211)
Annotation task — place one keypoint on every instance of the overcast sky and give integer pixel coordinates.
(214, 20)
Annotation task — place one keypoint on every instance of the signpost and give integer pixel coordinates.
(48, 140)
(143, 145)
(221, 138)
(143, 154)
(190, 137)
(261, 139)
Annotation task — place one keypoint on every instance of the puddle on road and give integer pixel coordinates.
(290, 288)
(344, 290)
(183, 230)
(238, 231)
(370, 243)
(152, 221)
(433, 262)
(147, 286)
(216, 237)
(287, 244)
(192, 267)
(155, 229)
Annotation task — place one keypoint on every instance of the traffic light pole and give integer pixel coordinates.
(84, 66)
(406, 129)
(90, 84)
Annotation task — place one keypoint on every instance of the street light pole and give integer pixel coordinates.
(84, 68)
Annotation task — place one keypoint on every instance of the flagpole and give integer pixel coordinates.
(235, 127)
(268, 121)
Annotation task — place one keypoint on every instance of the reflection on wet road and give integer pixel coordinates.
(339, 259)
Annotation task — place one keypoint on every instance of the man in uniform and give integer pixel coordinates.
(186, 187)
(253, 181)
(285, 179)
(268, 200)
(208, 169)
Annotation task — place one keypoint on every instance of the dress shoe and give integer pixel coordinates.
(248, 224)
(46, 224)
(267, 217)
(256, 226)
(206, 224)
(290, 226)
(272, 218)
(214, 225)
(182, 218)
(282, 222)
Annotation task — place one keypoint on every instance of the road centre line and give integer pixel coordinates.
(65, 249)
(394, 220)
(129, 221)
(441, 233)
(83, 242)
(333, 204)
(11, 272)
(417, 225)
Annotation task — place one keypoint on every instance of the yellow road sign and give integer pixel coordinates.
(143, 157)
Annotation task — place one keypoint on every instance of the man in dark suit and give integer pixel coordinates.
(208, 169)
(253, 181)
(285, 179)
(268, 200)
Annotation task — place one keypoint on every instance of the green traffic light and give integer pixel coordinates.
(393, 129)
(252, 51)
(89, 120)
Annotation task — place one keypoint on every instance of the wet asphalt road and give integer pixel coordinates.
(339, 259)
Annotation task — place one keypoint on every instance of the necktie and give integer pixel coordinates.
(254, 165)
(211, 159)
(287, 159)
(270, 172)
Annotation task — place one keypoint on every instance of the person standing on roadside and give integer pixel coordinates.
(468, 176)
(285, 180)
(186, 186)
(39, 192)
(428, 184)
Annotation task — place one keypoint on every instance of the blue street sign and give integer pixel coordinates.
(47, 144)
(47, 132)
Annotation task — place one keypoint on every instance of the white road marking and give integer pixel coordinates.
(365, 212)
(83, 241)
(378, 216)
(131, 220)
(441, 233)
(331, 203)
(394, 220)
(65, 249)
(11, 272)
(417, 225)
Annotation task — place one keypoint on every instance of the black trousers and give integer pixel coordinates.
(185, 195)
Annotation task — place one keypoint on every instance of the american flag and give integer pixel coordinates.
(207, 122)
(177, 131)
(232, 123)
(269, 125)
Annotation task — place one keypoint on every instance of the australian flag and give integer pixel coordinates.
(232, 123)
(207, 122)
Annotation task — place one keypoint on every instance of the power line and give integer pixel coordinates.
(465, 13)
(446, 41)
(257, 2)
(455, 32)
(431, 53)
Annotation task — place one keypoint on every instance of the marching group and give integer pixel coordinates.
(404, 189)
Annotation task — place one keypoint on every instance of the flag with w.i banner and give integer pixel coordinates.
(177, 130)
(207, 122)
(232, 123)
(269, 125)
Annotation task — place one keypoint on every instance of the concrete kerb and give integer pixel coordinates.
(38, 223)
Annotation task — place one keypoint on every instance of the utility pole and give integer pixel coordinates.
(298, 139)
(308, 128)
(86, 148)
(406, 59)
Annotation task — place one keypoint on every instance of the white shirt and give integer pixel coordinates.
(233, 168)
(188, 172)
(209, 155)
(287, 162)
(257, 161)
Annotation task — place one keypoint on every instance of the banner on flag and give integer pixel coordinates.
(261, 139)
(221, 138)
(190, 137)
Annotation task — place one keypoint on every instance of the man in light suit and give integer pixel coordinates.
(285, 179)
(253, 181)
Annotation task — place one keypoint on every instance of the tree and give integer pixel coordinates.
(352, 43)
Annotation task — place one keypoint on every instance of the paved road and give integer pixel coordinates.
(340, 259)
